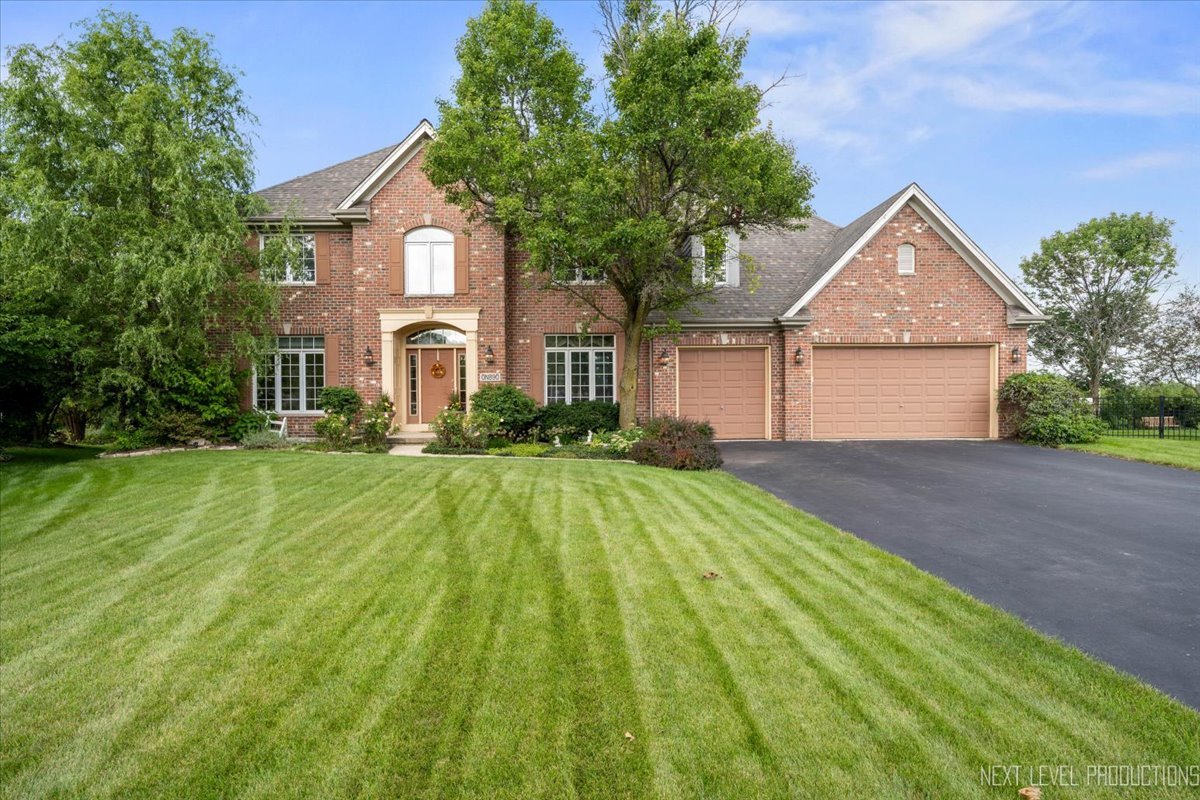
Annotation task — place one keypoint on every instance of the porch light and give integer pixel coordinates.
(369, 357)
(488, 355)
(664, 358)
(1016, 355)
(799, 356)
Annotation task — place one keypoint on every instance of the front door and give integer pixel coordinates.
(434, 374)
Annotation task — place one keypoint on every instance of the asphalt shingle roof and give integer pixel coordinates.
(311, 196)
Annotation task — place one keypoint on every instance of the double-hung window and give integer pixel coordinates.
(429, 262)
(301, 264)
(291, 381)
(580, 367)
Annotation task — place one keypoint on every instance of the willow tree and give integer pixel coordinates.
(607, 200)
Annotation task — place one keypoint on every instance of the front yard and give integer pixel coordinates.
(1171, 452)
(290, 624)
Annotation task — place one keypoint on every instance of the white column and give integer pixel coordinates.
(387, 361)
(472, 364)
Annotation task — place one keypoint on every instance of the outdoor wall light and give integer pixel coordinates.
(369, 357)
(1016, 355)
(664, 357)
(799, 356)
(488, 355)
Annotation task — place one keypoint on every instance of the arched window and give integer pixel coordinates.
(429, 261)
(444, 336)
(906, 259)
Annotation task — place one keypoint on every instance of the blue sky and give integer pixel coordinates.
(1019, 119)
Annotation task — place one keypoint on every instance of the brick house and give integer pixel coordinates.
(895, 326)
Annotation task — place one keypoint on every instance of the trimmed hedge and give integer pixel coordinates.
(517, 411)
(570, 422)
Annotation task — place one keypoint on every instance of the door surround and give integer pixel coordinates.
(396, 323)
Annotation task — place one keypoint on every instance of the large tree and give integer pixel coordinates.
(127, 173)
(609, 200)
(1096, 284)
(1171, 345)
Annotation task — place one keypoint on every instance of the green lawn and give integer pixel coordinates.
(232, 624)
(1172, 452)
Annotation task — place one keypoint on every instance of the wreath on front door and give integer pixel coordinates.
(437, 370)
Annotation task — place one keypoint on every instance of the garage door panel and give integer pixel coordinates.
(727, 387)
(901, 392)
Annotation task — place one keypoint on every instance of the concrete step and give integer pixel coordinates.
(411, 437)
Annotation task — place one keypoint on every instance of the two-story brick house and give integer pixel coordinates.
(895, 326)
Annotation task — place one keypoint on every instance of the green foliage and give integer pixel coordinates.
(127, 440)
(377, 423)
(580, 450)
(334, 431)
(570, 422)
(1095, 283)
(206, 391)
(517, 410)
(174, 427)
(679, 152)
(1171, 346)
(126, 177)
(480, 427)
(521, 449)
(448, 426)
(248, 422)
(1048, 409)
(344, 401)
(439, 449)
(620, 441)
(263, 440)
(677, 444)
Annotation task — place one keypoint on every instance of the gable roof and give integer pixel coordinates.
(868, 225)
(311, 196)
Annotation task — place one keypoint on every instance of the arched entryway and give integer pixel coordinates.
(434, 373)
(429, 354)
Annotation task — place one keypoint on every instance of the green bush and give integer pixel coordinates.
(448, 426)
(582, 451)
(131, 440)
(248, 422)
(174, 427)
(1048, 409)
(377, 423)
(522, 449)
(335, 431)
(263, 440)
(677, 444)
(571, 422)
(620, 442)
(343, 401)
(517, 410)
(439, 449)
(209, 392)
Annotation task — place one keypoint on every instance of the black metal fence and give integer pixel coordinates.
(1151, 415)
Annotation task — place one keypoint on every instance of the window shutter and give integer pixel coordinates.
(321, 245)
(462, 261)
(396, 265)
(332, 359)
(697, 253)
(733, 261)
(537, 367)
(246, 388)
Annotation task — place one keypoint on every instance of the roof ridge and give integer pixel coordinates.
(383, 151)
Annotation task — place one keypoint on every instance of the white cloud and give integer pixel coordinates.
(1138, 162)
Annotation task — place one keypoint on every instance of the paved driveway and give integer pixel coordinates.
(1102, 553)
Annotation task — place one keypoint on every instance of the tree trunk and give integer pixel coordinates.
(635, 331)
(1094, 389)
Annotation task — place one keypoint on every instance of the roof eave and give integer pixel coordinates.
(383, 172)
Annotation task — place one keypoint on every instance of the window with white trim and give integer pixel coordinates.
(301, 266)
(292, 380)
(429, 262)
(580, 367)
(706, 266)
(906, 259)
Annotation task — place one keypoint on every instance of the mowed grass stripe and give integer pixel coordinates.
(291, 625)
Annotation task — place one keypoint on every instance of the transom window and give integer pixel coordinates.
(906, 259)
(429, 262)
(580, 367)
(302, 266)
(291, 381)
(444, 336)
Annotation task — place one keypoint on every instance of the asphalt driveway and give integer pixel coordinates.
(1102, 553)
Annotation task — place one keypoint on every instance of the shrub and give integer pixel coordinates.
(479, 427)
(677, 444)
(439, 449)
(517, 410)
(448, 426)
(131, 440)
(581, 450)
(343, 401)
(335, 431)
(263, 440)
(1048, 409)
(174, 426)
(377, 423)
(570, 422)
(620, 442)
(248, 422)
(523, 449)
(208, 391)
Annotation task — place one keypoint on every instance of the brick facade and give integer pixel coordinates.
(868, 302)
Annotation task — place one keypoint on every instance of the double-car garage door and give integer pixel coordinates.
(909, 392)
(902, 392)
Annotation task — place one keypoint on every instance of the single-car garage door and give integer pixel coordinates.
(902, 392)
(726, 386)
